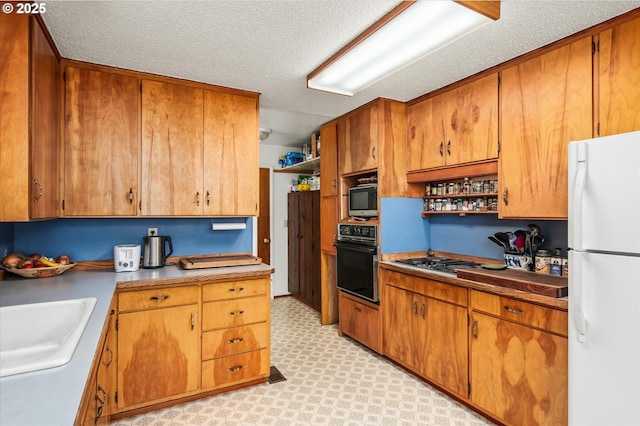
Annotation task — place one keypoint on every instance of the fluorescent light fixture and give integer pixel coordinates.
(406, 34)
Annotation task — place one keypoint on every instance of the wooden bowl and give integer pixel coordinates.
(46, 272)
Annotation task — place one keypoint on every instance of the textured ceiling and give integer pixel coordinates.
(269, 46)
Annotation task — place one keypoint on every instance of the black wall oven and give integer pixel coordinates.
(357, 260)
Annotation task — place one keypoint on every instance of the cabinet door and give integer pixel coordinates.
(546, 102)
(329, 159)
(293, 235)
(158, 354)
(619, 79)
(426, 133)
(231, 153)
(101, 144)
(309, 249)
(45, 127)
(444, 353)
(401, 331)
(328, 223)
(472, 122)
(519, 374)
(360, 322)
(172, 150)
(358, 141)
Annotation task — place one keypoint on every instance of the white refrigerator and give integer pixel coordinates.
(604, 281)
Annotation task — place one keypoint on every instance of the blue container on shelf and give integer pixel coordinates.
(292, 158)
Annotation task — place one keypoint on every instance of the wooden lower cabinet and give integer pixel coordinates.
(518, 360)
(425, 329)
(235, 332)
(360, 320)
(179, 341)
(158, 354)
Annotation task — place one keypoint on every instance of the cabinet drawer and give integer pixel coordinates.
(234, 289)
(548, 319)
(157, 298)
(234, 340)
(231, 313)
(235, 369)
(360, 322)
(426, 287)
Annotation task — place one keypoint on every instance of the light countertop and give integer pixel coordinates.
(52, 396)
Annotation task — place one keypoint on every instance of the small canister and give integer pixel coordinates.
(565, 267)
(556, 264)
(543, 261)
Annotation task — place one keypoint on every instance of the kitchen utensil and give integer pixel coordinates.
(503, 237)
(155, 255)
(126, 257)
(498, 242)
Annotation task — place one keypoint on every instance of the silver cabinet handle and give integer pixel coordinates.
(449, 148)
(193, 320)
(474, 329)
(40, 191)
(197, 198)
(234, 289)
(159, 298)
(422, 310)
(108, 349)
(130, 195)
(208, 198)
(441, 149)
(513, 310)
(415, 308)
(236, 313)
(505, 196)
(236, 368)
(233, 341)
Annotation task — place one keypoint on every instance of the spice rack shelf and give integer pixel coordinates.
(468, 196)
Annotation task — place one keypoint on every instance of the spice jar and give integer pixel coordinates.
(555, 267)
(543, 261)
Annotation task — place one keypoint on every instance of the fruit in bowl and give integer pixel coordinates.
(36, 266)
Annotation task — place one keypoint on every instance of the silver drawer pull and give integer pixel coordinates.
(236, 368)
(232, 341)
(236, 289)
(159, 298)
(236, 313)
(514, 310)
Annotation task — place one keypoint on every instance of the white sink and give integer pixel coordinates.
(41, 335)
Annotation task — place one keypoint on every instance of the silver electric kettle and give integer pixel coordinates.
(155, 255)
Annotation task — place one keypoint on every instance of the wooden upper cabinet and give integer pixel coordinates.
(231, 154)
(329, 159)
(455, 127)
(546, 103)
(45, 127)
(29, 121)
(619, 79)
(426, 133)
(358, 141)
(101, 143)
(172, 150)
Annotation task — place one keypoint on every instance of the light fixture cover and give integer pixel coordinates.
(422, 28)
(264, 133)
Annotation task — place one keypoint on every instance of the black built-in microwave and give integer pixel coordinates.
(363, 201)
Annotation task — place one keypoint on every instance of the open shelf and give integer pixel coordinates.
(309, 166)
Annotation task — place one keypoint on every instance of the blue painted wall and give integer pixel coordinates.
(468, 234)
(93, 239)
(6, 238)
(402, 226)
(404, 230)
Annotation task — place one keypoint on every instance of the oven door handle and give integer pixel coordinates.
(357, 247)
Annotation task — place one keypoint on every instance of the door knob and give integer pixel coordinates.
(266, 241)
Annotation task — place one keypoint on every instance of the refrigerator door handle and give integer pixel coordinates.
(575, 278)
(575, 215)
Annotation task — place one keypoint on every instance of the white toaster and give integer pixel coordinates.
(126, 257)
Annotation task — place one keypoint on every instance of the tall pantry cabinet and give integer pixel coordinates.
(29, 120)
(304, 247)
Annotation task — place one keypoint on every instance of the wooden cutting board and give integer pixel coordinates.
(219, 260)
(546, 285)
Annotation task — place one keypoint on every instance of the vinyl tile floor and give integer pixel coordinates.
(330, 380)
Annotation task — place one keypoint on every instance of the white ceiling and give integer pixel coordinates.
(269, 46)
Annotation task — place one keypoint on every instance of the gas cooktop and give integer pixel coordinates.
(442, 264)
